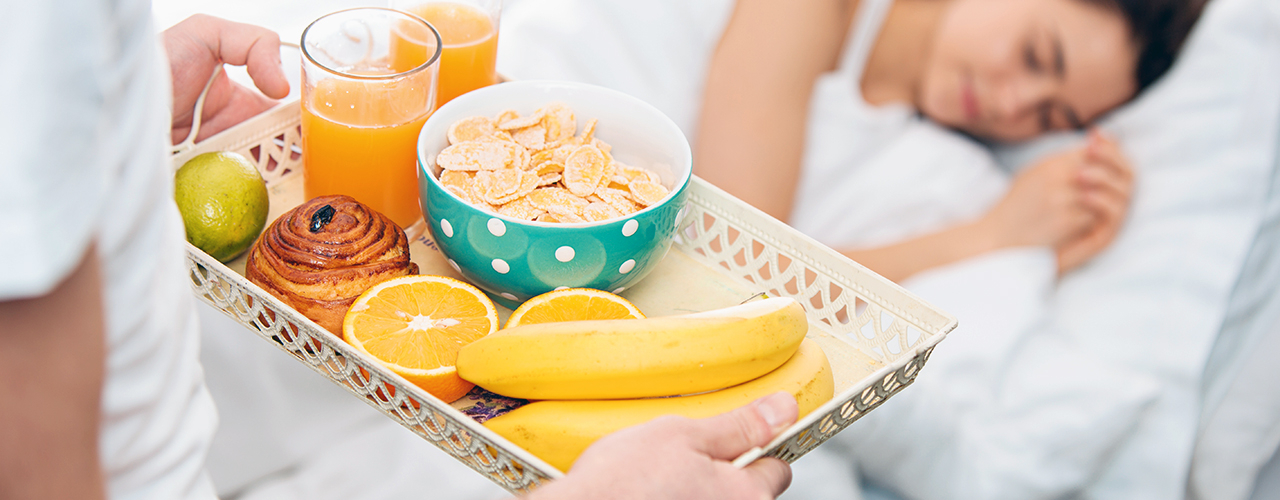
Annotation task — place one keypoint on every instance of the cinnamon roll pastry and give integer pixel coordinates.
(320, 256)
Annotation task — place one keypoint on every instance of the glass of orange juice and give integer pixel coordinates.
(364, 100)
(469, 29)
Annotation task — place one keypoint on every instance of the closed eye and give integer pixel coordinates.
(1029, 57)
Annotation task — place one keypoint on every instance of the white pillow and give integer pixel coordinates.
(655, 50)
(1240, 414)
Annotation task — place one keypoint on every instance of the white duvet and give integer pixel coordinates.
(1086, 385)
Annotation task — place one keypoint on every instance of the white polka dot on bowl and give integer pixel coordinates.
(629, 228)
(501, 266)
(627, 266)
(447, 228)
(564, 254)
(497, 227)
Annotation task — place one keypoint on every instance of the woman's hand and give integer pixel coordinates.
(1107, 183)
(1045, 205)
(676, 458)
(197, 47)
(1073, 202)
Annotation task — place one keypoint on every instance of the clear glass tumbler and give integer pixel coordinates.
(369, 78)
(469, 29)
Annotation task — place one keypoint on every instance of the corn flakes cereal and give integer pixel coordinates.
(498, 183)
(549, 179)
(542, 156)
(549, 198)
(584, 169)
(506, 116)
(624, 174)
(589, 130)
(478, 155)
(617, 198)
(533, 137)
(470, 129)
(647, 193)
(599, 210)
(549, 167)
(559, 122)
(561, 152)
(564, 215)
(521, 208)
(456, 178)
(535, 168)
(521, 122)
(462, 193)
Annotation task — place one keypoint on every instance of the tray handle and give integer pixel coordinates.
(189, 142)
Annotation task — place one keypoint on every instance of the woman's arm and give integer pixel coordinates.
(1073, 202)
(751, 129)
(902, 260)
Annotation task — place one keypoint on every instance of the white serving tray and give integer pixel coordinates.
(876, 334)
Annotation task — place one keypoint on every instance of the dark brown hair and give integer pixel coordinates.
(1159, 28)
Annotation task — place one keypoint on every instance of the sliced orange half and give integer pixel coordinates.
(415, 325)
(573, 304)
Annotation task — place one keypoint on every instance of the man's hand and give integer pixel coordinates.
(197, 47)
(676, 458)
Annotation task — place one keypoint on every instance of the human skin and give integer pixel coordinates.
(52, 360)
(997, 78)
(197, 47)
(676, 458)
(1010, 70)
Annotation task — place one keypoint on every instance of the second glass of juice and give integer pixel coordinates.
(368, 84)
(469, 29)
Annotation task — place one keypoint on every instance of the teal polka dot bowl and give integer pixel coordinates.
(512, 259)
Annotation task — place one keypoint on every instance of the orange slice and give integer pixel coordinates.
(573, 304)
(415, 325)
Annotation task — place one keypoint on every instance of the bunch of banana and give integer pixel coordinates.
(596, 377)
(636, 358)
(559, 431)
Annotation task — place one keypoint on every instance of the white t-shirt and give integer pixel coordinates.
(83, 127)
(866, 165)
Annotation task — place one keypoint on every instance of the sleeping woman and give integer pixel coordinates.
(868, 125)
(799, 96)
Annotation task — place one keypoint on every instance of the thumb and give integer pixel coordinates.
(771, 474)
(728, 435)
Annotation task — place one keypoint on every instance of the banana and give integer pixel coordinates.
(559, 431)
(636, 358)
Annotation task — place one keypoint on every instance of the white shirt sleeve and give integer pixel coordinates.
(83, 132)
(50, 190)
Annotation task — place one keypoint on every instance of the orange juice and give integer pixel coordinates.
(470, 48)
(360, 139)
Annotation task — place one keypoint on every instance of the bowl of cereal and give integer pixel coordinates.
(532, 186)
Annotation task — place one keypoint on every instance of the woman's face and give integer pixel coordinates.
(1013, 69)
